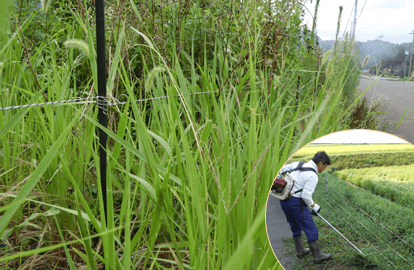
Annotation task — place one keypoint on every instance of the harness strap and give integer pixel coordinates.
(300, 168)
(297, 191)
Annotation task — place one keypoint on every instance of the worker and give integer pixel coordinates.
(295, 206)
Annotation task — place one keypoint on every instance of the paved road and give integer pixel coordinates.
(278, 229)
(400, 96)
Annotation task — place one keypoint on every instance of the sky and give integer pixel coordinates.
(359, 136)
(393, 19)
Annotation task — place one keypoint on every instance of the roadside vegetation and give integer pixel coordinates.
(188, 174)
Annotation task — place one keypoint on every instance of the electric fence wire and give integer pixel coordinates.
(350, 224)
(155, 98)
(355, 230)
(396, 252)
(385, 227)
(102, 102)
(76, 100)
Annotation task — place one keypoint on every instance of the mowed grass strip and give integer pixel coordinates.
(353, 148)
(395, 183)
(361, 160)
(366, 160)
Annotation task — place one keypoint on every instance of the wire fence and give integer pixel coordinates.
(357, 221)
(76, 100)
(372, 218)
(352, 222)
(101, 101)
(104, 102)
(355, 230)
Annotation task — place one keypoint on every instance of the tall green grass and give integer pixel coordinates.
(188, 176)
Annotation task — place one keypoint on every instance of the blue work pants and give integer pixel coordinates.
(299, 218)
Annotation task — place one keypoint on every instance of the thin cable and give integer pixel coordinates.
(102, 104)
(396, 252)
(360, 235)
(348, 21)
(101, 101)
(162, 97)
(355, 230)
(362, 10)
(76, 100)
(370, 230)
(359, 208)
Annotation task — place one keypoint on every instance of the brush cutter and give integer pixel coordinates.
(338, 232)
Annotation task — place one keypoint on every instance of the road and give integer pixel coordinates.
(399, 97)
(278, 229)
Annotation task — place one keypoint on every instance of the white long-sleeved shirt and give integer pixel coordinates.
(306, 180)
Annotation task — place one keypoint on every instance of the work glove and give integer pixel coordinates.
(315, 209)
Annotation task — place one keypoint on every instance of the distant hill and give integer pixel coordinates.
(379, 50)
(326, 45)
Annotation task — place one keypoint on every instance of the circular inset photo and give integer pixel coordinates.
(345, 201)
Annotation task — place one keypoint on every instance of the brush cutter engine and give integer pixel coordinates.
(284, 183)
(282, 186)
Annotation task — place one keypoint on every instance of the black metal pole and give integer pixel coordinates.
(100, 53)
(326, 182)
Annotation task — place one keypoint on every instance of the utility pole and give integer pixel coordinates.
(380, 37)
(407, 53)
(355, 19)
(411, 56)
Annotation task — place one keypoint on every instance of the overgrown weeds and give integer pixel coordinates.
(364, 116)
(188, 174)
